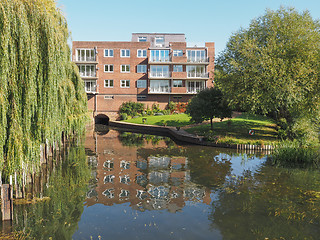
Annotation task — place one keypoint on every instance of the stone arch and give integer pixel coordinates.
(101, 119)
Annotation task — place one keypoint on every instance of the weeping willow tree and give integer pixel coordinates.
(41, 93)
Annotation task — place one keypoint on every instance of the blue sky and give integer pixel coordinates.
(201, 21)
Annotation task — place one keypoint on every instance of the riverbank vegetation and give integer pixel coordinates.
(266, 69)
(41, 94)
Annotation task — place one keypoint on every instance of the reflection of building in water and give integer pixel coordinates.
(158, 182)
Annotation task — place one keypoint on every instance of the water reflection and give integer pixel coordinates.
(130, 169)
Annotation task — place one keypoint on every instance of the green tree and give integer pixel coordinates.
(208, 104)
(273, 66)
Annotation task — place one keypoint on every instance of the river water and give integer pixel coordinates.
(122, 185)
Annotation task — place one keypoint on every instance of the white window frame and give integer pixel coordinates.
(143, 70)
(109, 51)
(126, 51)
(141, 53)
(87, 70)
(177, 52)
(177, 85)
(107, 83)
(109, 65)
(175, 68)
(141, 83)
(93, 86)
(125, 83)
(91, 58)
(161, 44)
(144, 39)
(125, 68)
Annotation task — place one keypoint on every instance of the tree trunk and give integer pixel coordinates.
(211, 123)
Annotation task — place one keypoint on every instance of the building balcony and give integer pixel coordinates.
(158, 89)
(179, 75)
(159, 74)
(159, 60)
(197, 75)
(198, 60)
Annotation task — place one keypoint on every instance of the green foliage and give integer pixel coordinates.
(131, 108)
(176, 120)
(293, 154)
(123, 116)
(238, 131)
(171, 106)
(273, 65)
(208, 104)
(305, 132)
(156, 108)
(41, 92)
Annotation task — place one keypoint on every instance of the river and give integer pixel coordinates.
(122, 185)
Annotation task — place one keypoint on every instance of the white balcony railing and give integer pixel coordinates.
(197, 60)
(158, 59)
(164, 89)
(86, 59)
(88, 74)
(197, 75)
(195, 89)
(160, 74)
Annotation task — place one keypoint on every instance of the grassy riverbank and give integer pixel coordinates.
(174, 120)
(232, 131)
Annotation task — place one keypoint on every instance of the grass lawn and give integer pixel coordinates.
(175, 120)
(236, 130)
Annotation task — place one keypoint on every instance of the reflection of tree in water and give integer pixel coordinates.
(58, 217)
(207, 166)
(274, 203)
(139, 139)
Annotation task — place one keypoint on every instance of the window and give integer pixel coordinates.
(108, 68)
(108, 164)
(177, 68)
(141, 68)
(125, 164)
(196, 56)
(109, 193)
(108, 52)
(159, 41)
(108, 97)
(125, 83)
(125, 52)
(177, 53)
(142, 39)
(108, 83)
(141, 83)
(87, 70)
(141, 97)
(90, 86)
(196, 72)
(142, 53)
(159, 56)
(177, 83)
(161, 71)
(125, 179)
(159, 86)
(124, 193)
(108, 179)
(195, 86)
(125, 68)
(86, 55)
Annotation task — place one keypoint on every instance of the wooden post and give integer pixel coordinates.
(6, 202)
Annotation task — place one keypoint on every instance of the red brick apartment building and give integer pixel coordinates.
(151, 68)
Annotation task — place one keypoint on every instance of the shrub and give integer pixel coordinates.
(123, 116)
(155, 108)
(305, 132)
(131, 108)
(166, 112)
(171, 106)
